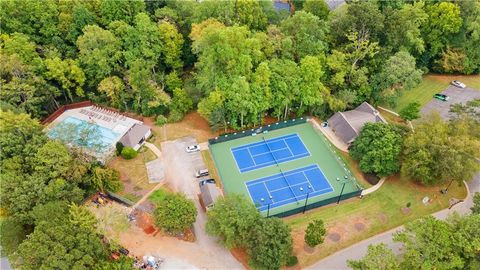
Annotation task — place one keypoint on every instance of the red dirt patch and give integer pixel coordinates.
(241, 256)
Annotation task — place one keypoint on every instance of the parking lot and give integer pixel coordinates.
(457, 95)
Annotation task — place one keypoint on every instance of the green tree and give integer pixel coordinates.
(232, 219)
(99, 53)
(250, 13)
(175, 213)
(181, 102)
(315, 233)
(114, 88)
(430, 242)
(20, 135)
(317, 7)
(410, 112)
(128, 153)
(378, 257)
(398, 73)
(269, 244)
(403, 28)
(444, 20)
(307, 34)
(23, 89)
(439, 151)
(284, 84)
(312, 92)
(106, 179)
(111, 10)
(378, 149)
(172, 43)
(60, 244)
(67, 74)
(476, 203)
(37, 19)
(12, 233)
(20, 44)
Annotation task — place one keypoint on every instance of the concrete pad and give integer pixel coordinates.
(155, 171)
(457, 95)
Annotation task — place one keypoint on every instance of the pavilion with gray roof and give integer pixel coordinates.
(347, 125)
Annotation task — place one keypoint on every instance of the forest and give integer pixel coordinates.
(233, 61)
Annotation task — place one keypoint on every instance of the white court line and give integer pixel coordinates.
(302, 199)
(264, 153)
(288, 147)
(278, 160)
(309, 183)
(268, 191)
(251, 156)
(260, 142)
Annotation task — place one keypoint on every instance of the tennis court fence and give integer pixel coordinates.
(314, 205)
(249, 132)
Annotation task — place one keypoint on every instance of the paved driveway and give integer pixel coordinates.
(457, 95)
(181, 167)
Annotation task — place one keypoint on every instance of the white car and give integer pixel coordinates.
(458, 84)
(192, 148)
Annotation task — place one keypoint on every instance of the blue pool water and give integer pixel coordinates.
(83, 134)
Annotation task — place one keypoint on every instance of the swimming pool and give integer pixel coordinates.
(84, 134)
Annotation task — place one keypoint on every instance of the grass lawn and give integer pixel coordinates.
(158, 195)
(191, 125)
(430, 85)
(207, 158)
(358, 219)
(133, 174)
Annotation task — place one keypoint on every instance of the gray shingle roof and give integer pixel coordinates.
(134, 135)
(347, 125)
(209, 193)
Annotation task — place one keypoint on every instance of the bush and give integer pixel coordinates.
(315, 232)
(106, 179)
(175, 116)
(129, 153)
(119, 146)
(411, 111)
(175, 213)
(161, 120)
(291, 261)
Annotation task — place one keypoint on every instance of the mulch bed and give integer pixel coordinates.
(335, 237)
(371, 178)
(359, 226)
(241, 256)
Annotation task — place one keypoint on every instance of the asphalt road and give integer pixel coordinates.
(457, 95)
(339, 259)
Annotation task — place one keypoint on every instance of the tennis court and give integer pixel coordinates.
(288, 187)
(277, 165)
(269, 152)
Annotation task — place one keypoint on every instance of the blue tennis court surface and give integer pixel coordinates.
(269, 152)
(289, 187)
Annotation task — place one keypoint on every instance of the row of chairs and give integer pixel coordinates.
(113, 114)
(97, 115)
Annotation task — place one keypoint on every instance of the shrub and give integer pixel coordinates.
(119, 146)
(291, 261)
(161, 120)
(129, 153)
(315, 232)
(175, 213)
(175, 116)
(411, 111)
(106, 179)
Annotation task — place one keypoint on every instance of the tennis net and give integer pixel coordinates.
(283, 175)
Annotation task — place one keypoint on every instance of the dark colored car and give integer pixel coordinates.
(207, 181)
(441, 97)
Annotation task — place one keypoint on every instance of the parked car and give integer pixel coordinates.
(124, 251)
(192, 148)
(207, 181)
(458, 84)
(200, 173)
(441, 97)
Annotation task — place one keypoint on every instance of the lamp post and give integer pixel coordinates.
(341, 192)
(306, 199)
(445, 190)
